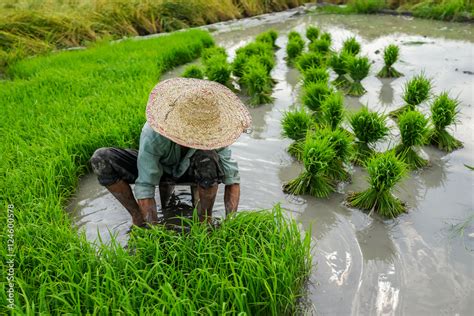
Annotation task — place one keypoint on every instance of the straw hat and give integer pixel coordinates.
(196, 113)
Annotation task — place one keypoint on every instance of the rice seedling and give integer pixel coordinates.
(338, 64)
(416, 91)
(312, 33)
(315, 74)
(321, 46)
(257, 82)
(351, 46)
(263, 50)
(341, 141)
(314, 94)
(326, 36)
(213, 51)
(385, 171)
(318, 153)
(332, 110)
(238, 64)
(369, 128)
(295, 46)
(444, 111)
(308, 60)
(358, 68)
(217, 69)
(295, 124)
(267, 60)
(366, 6)
(269, 37)
(390, 56)
(413, 132)
(193, 71)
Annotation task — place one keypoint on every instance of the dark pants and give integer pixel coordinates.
(114, 164)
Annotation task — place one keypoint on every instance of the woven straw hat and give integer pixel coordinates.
(196, 113)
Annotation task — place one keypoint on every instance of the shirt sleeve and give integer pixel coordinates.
(148, 164)
(229, 166)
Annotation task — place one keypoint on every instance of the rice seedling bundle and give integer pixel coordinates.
(315, 74)
(295, 124)
(212, 51)
(257, 82)
(295, 46)
(312, 33)
(342, 143)
(385, 171)
(338, 63)
(244, 53)
(416, 91)
(358, 68)
(321, 46)
(269, 37)
(318, 153)
(326, 36)
(308, 60)
(444, 111)
(368, 127)
(217, 69)
(332, 110)
(390, 56)
(314, 94)
(193, 71)
(351, 46)
(413, 131)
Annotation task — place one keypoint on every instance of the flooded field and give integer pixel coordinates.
(422, 263)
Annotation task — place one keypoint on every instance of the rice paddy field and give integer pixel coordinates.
(301, 254)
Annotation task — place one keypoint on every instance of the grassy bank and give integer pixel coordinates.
(30, 27)
(447, 10)
(56, 111)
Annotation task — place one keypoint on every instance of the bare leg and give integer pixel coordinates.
(122, 191)
(166, 190)
(207, 197)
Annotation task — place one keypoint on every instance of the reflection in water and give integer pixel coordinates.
(386, 92)
(375, 242)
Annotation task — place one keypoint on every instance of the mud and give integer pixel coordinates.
(417, 264)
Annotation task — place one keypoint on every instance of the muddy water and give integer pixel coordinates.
(418, 264)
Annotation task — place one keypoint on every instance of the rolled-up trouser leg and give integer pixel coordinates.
(114, 164)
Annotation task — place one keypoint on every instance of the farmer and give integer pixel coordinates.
(190, 123)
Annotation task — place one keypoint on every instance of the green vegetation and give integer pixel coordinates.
(332, 110)
(366, 6)
(213, 51)
(295, 124)
(358, 68)
(351, 46)
(268, 37)
(318, 153)
(244, 53)
(413, 132)
(193, 71)
(217, 69)
(30, 27)
(390, 56)
(312, 33)
(341, 142)
(444, 111)
(369, 128)
(338, 64)
(257, 82)
(309, 60)
(416, 91)
(314, 94)
(83, 100)
(384, 170)
(321, 46)
(326, 36)
(295, 46)
(315, 74)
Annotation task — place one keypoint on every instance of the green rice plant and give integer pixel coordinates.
(358, 68)
(332, 110)
(238, 64)
(260, 49)
(312, 33)
(212, 51)
(321, 46)
(413, 132)
(416, 91)
(217, 69)
(447, 10)
(308, 60)
(366, 6)
(390, 56)
(193, 71)
(351, 46)
(267, 60)
(295, 124)
(268, 37)
(314, 94)
(314, 180)
(385, 171)
(444, 112)
(341, 141)
(369, 128)
(255, 48)
(295, 46)
(257, 82)
(326, 36)
(338, 63)
(315, 74)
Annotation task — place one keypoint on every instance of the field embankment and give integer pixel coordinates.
(31, 27)
(56, 110)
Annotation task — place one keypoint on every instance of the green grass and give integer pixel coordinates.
(193, 71)
(56, 111)
(295, 46)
